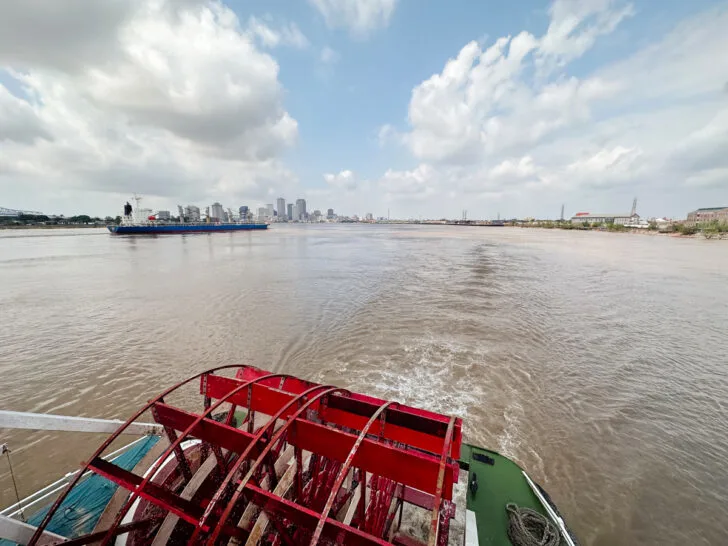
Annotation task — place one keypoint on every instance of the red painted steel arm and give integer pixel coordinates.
(440, 481)
(261, 457)
(243, 457)
(344, 471)
(307, 518)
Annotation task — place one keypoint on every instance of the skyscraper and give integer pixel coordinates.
(281, 206)
(301, 205)
(295, 214)
(217, 212)
(243, 212)
(330, 214)
(290, 211)
(270, 208)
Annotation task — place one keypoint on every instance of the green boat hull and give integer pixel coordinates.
(499, 481)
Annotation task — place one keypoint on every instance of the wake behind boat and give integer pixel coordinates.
(142, 221)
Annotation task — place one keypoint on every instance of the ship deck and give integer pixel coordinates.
(500, 481)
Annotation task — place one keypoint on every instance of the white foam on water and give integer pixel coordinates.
(508, 440)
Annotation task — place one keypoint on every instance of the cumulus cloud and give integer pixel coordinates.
(66, 36)
(344, 180)
(508, 116)
(483, 103)
(359, 16)
(420, 182)
(170, 99)
(606, 167)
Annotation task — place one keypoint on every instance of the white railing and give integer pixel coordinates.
(42, 421)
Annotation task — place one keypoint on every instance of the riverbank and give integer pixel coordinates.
(646, 232)
(65, 226)
(713, 231)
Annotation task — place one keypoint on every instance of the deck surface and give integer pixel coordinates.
(498, 484)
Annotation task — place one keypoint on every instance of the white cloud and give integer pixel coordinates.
(511, 119)
(606, 167)
(359, 16)
(329, 56)
(482, 102)
(709, 178)
(509, 168)
(19, 121)
(173, 99)
(420, 182)
(289, 34)
(344, 180)
(65, 35)
(574, 27)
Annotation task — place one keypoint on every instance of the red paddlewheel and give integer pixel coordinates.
(310, 464)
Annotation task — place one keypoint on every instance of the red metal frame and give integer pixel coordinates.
(435, 534)
(410, 460)
(344, 471)
(243, 458)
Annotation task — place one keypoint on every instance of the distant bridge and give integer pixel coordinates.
(13, 212)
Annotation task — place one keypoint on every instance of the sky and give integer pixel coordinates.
(423, 108)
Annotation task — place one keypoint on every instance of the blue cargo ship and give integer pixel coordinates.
(137, 221)
(129, 229)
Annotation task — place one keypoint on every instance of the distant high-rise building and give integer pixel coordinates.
(192, 213)
(301, 204)
(163, 215)
(262, 214)
(243, 211)
(217, 212)
(369, 216)
(295, 214)
(281, 206)
(271, 210)
(290, 211)
(330, 214)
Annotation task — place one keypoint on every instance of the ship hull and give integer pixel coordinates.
(183, 228)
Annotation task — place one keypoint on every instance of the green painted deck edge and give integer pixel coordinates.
(499, 484)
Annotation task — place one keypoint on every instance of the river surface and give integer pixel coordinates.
(598, 361)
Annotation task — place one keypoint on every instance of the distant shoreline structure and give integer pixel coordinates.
(677, 235)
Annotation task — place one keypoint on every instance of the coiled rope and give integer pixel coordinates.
(527, 527)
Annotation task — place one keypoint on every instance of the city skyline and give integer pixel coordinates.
(514, 112)
(270, 211)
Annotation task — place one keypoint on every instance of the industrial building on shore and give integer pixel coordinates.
(592, 218)
(707, 215)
